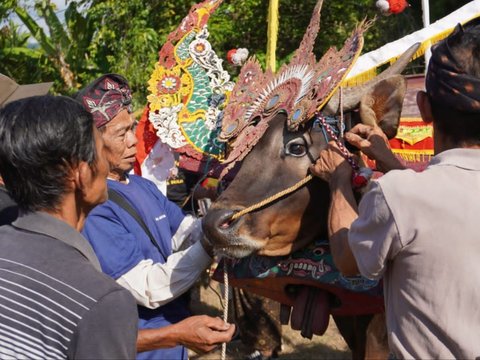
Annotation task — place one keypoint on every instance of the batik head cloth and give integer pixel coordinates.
(105, 97)
(447, 81)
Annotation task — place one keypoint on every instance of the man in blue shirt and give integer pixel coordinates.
(159, 260)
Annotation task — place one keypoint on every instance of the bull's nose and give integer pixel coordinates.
(218, 226)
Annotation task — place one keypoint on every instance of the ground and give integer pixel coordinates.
(329, 346)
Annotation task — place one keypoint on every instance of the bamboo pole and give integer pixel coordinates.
(272, 35)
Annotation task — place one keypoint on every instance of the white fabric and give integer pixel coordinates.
(154, 285)
(188, 233)
(394, 49)
(156, 167)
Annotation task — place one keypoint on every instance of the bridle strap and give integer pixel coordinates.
(345, 153)
(272, 198)
(327, 131)
(329, 134)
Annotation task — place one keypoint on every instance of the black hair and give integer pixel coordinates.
(41, 138)
(465, 129)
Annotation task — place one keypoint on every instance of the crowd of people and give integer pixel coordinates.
(95, 262)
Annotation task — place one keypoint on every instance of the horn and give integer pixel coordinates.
(308, 41)
(352, 96)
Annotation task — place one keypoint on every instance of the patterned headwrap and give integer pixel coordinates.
(105, 97)
(447, 82)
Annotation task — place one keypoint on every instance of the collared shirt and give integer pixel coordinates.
(42, 223)
(53, 296)
(419, 230)
(8, 207)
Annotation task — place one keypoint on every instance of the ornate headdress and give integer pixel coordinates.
(187, 90)
(298, 89)
(105, 97)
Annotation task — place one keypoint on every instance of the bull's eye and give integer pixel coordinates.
(296, 149)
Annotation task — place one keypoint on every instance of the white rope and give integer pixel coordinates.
(225, 304)
(342, 127)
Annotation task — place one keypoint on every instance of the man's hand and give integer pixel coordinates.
(200, 333)
(203, 333)
(331, 164)
(374, 143)
(332, 167)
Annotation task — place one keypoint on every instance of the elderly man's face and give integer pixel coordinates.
(120, 144)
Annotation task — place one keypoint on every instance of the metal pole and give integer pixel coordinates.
(426, 22)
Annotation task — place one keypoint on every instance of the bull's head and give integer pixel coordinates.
(270, 122)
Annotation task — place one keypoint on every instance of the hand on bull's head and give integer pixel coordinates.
(331, 164)
(373, 142)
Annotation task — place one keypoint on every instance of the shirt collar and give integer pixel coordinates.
(43, 223)
(127, 180)
(460, 157)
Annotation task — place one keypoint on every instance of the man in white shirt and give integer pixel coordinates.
(419, 230)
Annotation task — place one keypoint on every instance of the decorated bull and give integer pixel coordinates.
(275, 125)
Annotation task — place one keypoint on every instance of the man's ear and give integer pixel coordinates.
(425, 107)
(82, 176)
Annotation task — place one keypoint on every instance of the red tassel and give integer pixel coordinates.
(230, 54)
(361, 177)
(397, 6)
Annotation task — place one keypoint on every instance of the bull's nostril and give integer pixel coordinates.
(218, 222)
(227, 223)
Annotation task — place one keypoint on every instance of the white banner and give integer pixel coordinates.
(426, 36)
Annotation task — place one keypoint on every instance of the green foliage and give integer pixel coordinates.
(46, 43)
(6, 8)
(126, 40)
(17, 59)
(243, 23)
(62, 51)
(124, 36)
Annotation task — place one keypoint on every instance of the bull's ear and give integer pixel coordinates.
(382, 105)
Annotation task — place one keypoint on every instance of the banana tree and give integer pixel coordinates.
(19, 60)
(66, 45)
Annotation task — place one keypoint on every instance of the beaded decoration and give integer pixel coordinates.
(298, 89)
(361, 175)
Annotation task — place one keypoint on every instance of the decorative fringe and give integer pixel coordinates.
(424, 46)
(414, 155)
(361, 78)
(272, 35)
(371, 73)
(410, 119)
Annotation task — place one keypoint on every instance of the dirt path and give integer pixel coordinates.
(329, 346)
